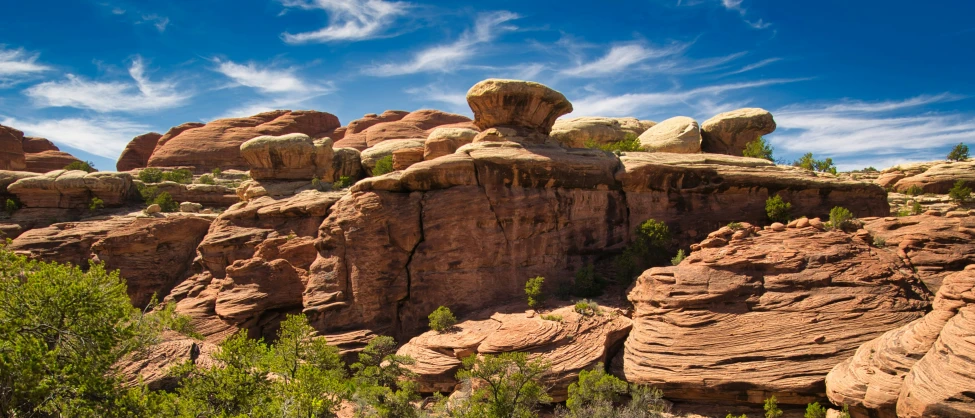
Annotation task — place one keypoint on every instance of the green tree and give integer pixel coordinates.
(343, 182)
(381, 380)
(678, 258)
(772, 408)
(383, 166)
(166, 202)
(502, 386)
(960, 193)
(86, 166)
(61, 331)
(958, 153)
(650, 247)
(814, 410)
(759, 148)
(380, 365)
(533, 290)
(809, 163)
(595, 386)
(777, 209)
(11, 206)
(150, 175)
(840, 218)
(442, 319)
(311, 374)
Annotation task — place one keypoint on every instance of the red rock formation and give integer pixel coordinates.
(934, 177)
(34, 145)
(417, 124)
(368, 121)
(217, 144)
(763, 316)
(152, 367)
(529, 108)
(12, 149)
(47, 161)
(136, 154)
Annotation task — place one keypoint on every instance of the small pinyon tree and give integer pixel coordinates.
(777, 209)
(960, 193)
(759, 148)
(442, 319)
(533, 290)
(840, 218)
(958, 153)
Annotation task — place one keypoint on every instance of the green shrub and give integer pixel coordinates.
(11, 206)
(735, 226)
(629, 143)
(916, 208)
(809, 163)
(166, 202)
(840, 218)
(151, 175)
(759, 148)
(181, 175)
(588, 283)
(533, 290)
(814, 410)
(556, 318)
(504, 385)
(650, 247)
(586, 307)
(960, 193)
(206, 179)
(777, 209)
(730, 415)
(216, 172)
(317, 184)
(85, 166)
(958, 153)
(383, 166)
(914, 190)
(96, 204)
(595, 386)
(879, 242)
(442, 319)
(343, 182)
(772, 408)
(678, 258)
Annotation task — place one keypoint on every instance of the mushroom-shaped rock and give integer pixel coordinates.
(288, 157)
(386, 148)
(680, 135)
(729, 132)
(136, 154)
(444, 141)
(529, 107)
(576, 132)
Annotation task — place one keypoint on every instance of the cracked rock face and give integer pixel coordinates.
(528, 107)
(769, 315)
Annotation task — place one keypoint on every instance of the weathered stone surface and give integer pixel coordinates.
(34, 145)
(46, 161)
(921, 369)
(403, 158)
(937, 177)
(680, 134)
(217, 144)
(12, 149)
(416, 124)
(152, 367)
(729, 132)
(289, 157)
(529, 108)
(368, 121)
(209, 195)
(573, 344)
(136, 154)
(73, 189)
(934, 245)
(576, 132)
(347, 162)
(763, 316)
(445, 141)
(384, 149)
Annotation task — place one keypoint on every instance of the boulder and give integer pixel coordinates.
(137, 152)
(190, 207)
(763, 316)
(921, 369)
(677, 135)
(416, 124)
(577, 132)
(403, 158)
(729, 132)
(385, 149)
(217, 144)
(573, 343)
(289, 157)
(444, 141)
(529, 108)
(12, 149)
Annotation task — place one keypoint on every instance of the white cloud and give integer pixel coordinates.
(15, 64)
(105, 137)
(733, 5)
(853, 132)
(348, 20)
(160, 22)
(138, 96)
(640, 104)
(268, 80)
(452, 56)
(454, 101)
(755, 66)
(622, 57)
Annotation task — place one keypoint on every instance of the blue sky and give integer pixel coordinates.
(864, 82)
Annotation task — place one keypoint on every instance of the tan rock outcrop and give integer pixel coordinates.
(289, 157)
(528, 107)
(12, 149)
(921, 369)
(137, 152)
(73, 189)
(576, 132)
(574, 343)
(444, 141)
(209, 195)
(34, 145)
(729, 132)
(417, 124)
(368, 121)
(403, 158)
(936, 177)
(384, 149)
(47, 161)
(217, 144)
(769, 315)
(680, 134)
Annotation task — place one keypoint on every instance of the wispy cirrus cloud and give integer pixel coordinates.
(348, 20)
(160, 22)
(17, 64)
(452, 56)
(754, 66)
(105, 137)
(855, 131)
(622, 57)
(140, 95)
(279, 88)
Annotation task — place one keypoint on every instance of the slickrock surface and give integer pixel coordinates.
(729, 132)
(679, 135)
(922, 369)
(217, 144)
(136, 154)
(172, 349)
(576, 132)
(73, 189)
(445, 141)
(209, 195)
(762, 316)
(571, 345)
(934, 177)
(12, 149)
(45, 161)
(935, 245)
(418, 124)
(368, 121)
(152, 254)
(529, 108)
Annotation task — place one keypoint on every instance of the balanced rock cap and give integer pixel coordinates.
(527, 106)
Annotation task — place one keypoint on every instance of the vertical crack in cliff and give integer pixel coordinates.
(409, 261)
(480, 186)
